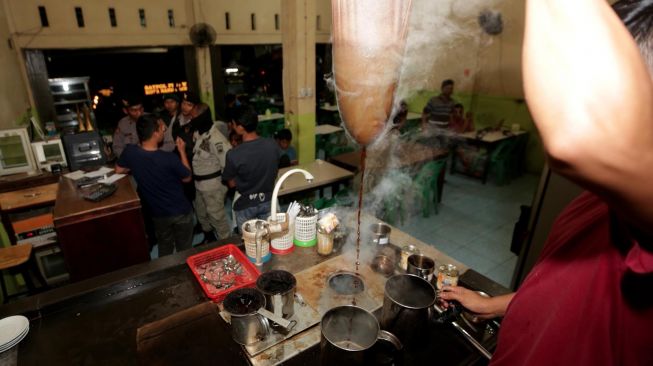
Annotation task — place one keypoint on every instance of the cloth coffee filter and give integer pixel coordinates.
(369, 38)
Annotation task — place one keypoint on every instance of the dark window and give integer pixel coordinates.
(44, 16)
(141, 15)
(318, 23)
(171, 18)
(112, 17)
(276, 21)
(80, 17)
(227, 21)
(253, 19)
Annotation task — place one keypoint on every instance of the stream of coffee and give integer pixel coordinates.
(360, 206)
(358, 226)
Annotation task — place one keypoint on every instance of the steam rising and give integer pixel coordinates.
(436, 27)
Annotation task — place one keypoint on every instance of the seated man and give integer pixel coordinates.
(159, 175)
(460, 122)
(288, 153)
(252, 169)
(437, 111)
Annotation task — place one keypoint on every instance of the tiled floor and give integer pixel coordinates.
(475, 222)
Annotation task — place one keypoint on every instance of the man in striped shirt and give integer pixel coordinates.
(437, 111)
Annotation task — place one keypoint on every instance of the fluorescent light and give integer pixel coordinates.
(231, 70)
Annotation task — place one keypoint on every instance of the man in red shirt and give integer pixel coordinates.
(588, 300)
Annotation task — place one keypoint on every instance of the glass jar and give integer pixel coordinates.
(406, 252)
(324, 241)
(447, 276)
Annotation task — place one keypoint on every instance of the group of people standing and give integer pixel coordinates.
(181, 155)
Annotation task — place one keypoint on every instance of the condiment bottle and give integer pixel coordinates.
(406, 252)
(447, 276)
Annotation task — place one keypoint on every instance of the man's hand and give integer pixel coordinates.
(121, 170)
(181, 145)
(484, 307)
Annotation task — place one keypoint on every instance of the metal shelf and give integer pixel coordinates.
(76, 101)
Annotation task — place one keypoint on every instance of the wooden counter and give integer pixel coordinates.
(99, 237)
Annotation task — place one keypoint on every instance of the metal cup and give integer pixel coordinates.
(407, 307)
(380, 233)
(422, 266)
(279, 289)
(247, 326)
(348, 333)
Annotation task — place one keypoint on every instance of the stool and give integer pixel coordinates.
(17, 259)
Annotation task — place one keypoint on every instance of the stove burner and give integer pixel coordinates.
(346, 283)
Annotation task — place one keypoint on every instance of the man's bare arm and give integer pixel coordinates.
(121, 170)
(592, 100)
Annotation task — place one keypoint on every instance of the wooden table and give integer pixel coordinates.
(327, 129)
(329, 108)
(324, 174)
(99, 237)
(25, 199)
(489, 141)
(408, 156)
(270, 117)
(20, 181)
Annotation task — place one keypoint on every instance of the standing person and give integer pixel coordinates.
(183, 128)
(209, 155)
(169, 116)
(125, 133)
(252, 169)
(587, 301)
(159, 175)
(438, 109)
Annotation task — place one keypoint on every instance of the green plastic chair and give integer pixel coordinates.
(322, 203)
(266, 129)
(426, 184)
(501, 161)
(393, 201)
(344, 198)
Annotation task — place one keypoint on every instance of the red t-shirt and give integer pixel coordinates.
(588, 300)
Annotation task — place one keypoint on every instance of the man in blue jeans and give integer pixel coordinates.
(251, 168)
(159, 175)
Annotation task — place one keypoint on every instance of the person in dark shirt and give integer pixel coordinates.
(159, 175)
(251, 168)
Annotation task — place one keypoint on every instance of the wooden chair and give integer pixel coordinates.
(18, 259)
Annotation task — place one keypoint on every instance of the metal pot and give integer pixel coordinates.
(247, 326)
(407, 307)
(348, 333)
(278, 287)
(422, 266)
(380, 233)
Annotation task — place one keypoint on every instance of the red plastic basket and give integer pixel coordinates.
(246, 279)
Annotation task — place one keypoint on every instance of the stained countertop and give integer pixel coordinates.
(95, 322)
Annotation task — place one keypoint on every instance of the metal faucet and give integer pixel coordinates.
(273, 221)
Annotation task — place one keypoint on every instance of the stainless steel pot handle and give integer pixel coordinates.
(287, 324)
(265, 328)
(391, 338)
